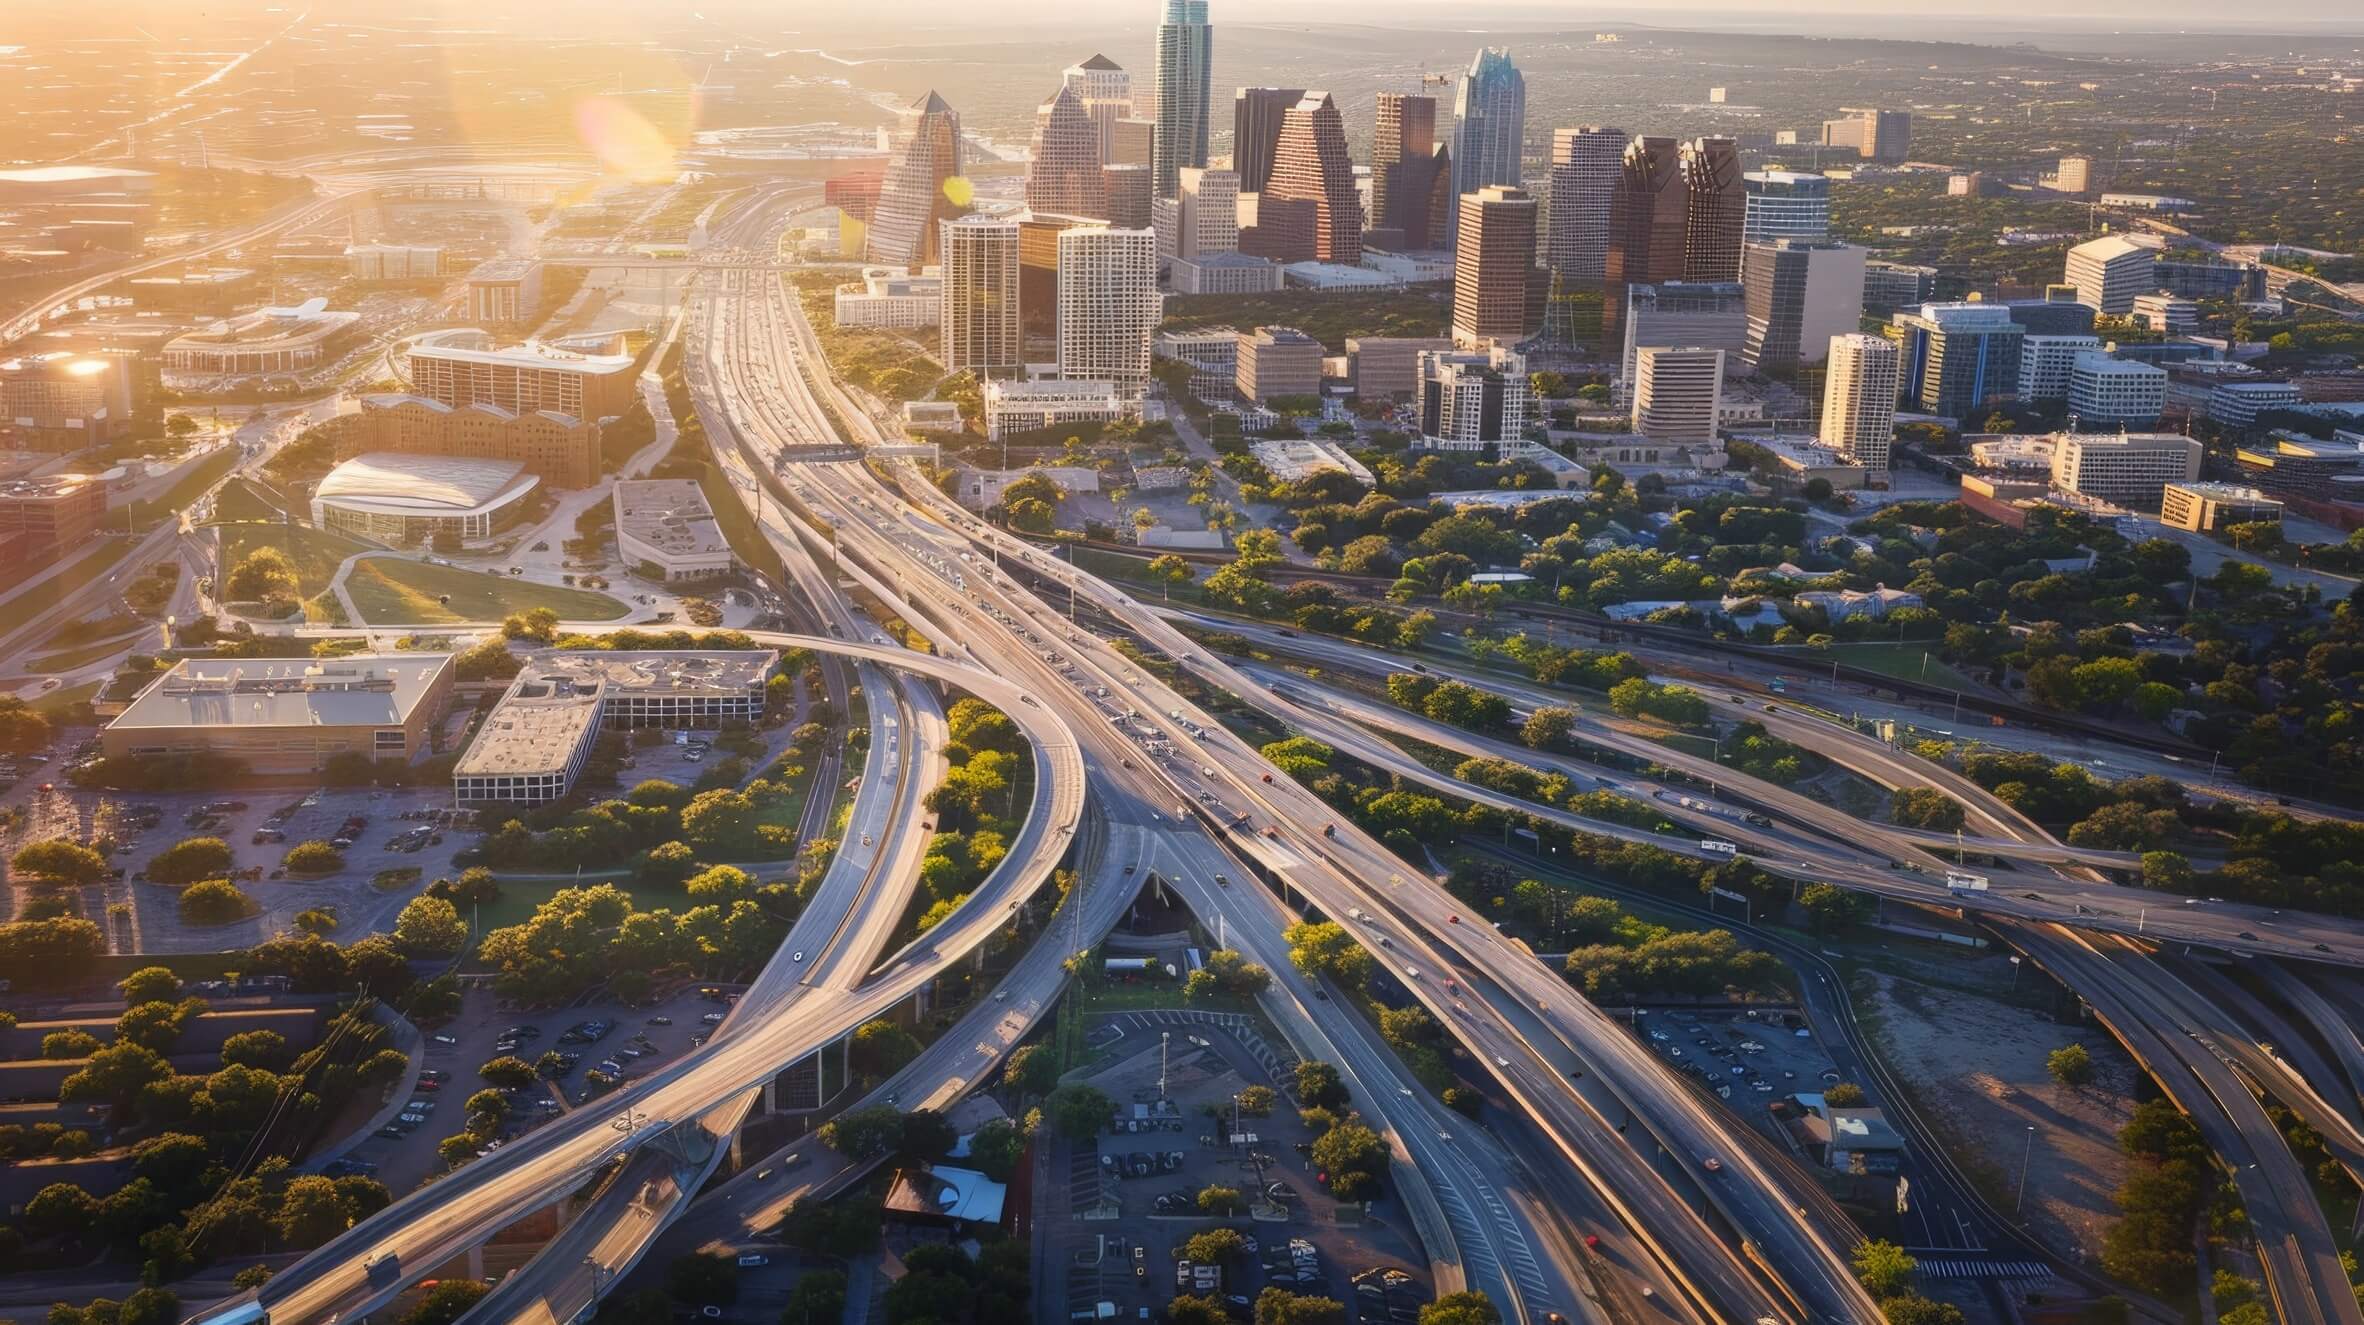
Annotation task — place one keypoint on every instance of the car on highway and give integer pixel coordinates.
(1712, 1164)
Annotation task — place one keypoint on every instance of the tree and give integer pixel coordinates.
(446, 1302)
(52, 953)
(23, 730)
(1883, 1268)
(68, 1044)
(430, 927)
(1216, 1246)
(260, 576)
(1354, 1156)
(114, 1075)
(215, 902)
(1034, 1067)
(2070, 1065)
(509, 1070)
(1913, 1309)
(263, 1049)
(1925, 807)
(1279, 1306)
(1318, 1085)
(1077, 1111)
(150, 984)
(313, 858)
(1548, 728)
(703, 1279)
(1197, 1309)
(996, 1147)
(1469, 1307)
(191, 859)
(1218, 1200)
(1844, 1095)
(818, 1299)
(59, 860)
(60, 1209)
(861, 1133)
(311, 1211)
(881, 1048)
(1256, 1101)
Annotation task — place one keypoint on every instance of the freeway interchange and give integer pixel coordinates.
(1713, 1226)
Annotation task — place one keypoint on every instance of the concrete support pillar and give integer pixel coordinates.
(771, 1096)
(476, 1263)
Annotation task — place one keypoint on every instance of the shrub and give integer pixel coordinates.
(215, 902)
(190, 860)
(313, 857)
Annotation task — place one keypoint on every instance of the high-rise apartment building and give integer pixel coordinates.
(2110, 272)
(1957, 357)
(1678, 393)
(2074, 176)
(978, 326)
(1206, 213)
(2044, 363)
(1126, 190)
(1257, 114)
(1704, 314)
(1799, 293)
(1784, 204)
(1859, 387)
(1493, 256)
(1585, 163)
(1473, 400)
(1489, 123)
(1106, 91)
(913, 202)
(1311, 165)
(1108, 305)
(2108, 392)
(1715, 209)
(2129, 469)
(1065, 173)
(1185, 62)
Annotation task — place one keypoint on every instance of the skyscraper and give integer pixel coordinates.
(979, 319)
(914, 198)
(1783, 204)
(1489, 123)
(1954, 358)
(1256, 117)
(1885, 135)
(2110, 272)
(1704, 314)
(1311, 164)
(1206, 213)
(1402, 127)
(1493, 255)
(1126, 188)
(1108, 305)
(1678, 393)
(1106, 91)
(1715, 209)
(1411, 178)
(1799, 295)
(1584, 169)
(1185, 61)
(1065, 173)
(1473, 401)
(1646, 223)
(1859, 399)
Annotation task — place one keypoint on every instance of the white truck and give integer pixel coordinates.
(1956, 881)
(1714, 847)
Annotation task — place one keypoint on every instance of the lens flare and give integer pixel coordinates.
(625, 142)
(959, 191)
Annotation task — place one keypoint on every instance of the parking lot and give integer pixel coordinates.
(406, 1156)
(1130, 1201)
(1755, 1055)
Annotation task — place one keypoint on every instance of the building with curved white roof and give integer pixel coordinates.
(268, 340)
(399, 498)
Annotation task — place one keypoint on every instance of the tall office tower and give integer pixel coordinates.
(1038, 267)
(1646, 224)
(1185, 61)
(1584, 168)
(2075, 174)
(1127, 191)
(1206, 220)
(1715, 209)
(912, 201)
(1311, 164)
(1493, 254)
(1257, 114)
(1783, 204)
(1954, 358)
(1402, 127)
(1883, 135)
(1800, 293)
(2110, 272)
(1108, 305)
(1678, 391)
(978, 323)
(1859, 388)
(1489, 123)
(1106, 91)
(1706, 314)
(1473, 401)
(1065, 173)
(1409, 179)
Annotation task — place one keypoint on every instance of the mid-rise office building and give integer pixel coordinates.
(2207, 508)
(1379, 367)
(1958, 357)
(1493, 257)
(2125, 469)
(1859, 389)
(2210, 280)
(1013, 407)
(43, 519)
(2303, 466)
(2237, 404)
(393, 262)
(63, 402)
(1311, 166)
(539, 736)
(666, 531)
(1279, 361)
(1784, 204)
(1473, 401)
(2044, 363)
(913, 202)
(1715, 208)
(266, 342)
(1678, 393)
(978, 318)
(890, 298)
(1225, 273)
(1185, 65)
(1799, 293)
(2165, 312)
(1489, 123)
(1881, 135)
(2110, 272)
(1106, 91)
(1889, 286)
(1706, 314)
(504, 290)
(2108, 392)
(1585, 164)
(284, 717)
(1206, 212)
(461, 368)
(1064, 175)
(1108, 305)
(559, 449)
(1411, 177)
(2056, 314)
(2075, 175)
(1257, 114)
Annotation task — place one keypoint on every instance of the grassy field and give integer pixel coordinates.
(39, 598)
(241, 499)
(395, 591)
(185, 489)
(315, 552)
(69, 659)
(738, 527)
(1902, 661)
(57, 703)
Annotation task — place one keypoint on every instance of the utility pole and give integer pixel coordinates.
(2025, 1154)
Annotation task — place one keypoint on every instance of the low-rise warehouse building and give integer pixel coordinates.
(665, 529)
(534, 743)
(283, 716)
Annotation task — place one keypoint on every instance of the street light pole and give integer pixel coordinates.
(2025, 1155)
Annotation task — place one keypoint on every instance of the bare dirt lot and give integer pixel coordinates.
(1976, 1067)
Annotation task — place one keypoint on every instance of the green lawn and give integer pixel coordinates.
(738, 526)
(69, 659)
(396, 591)
(58, 703)
(1902, 661)
(241, 499)
(185, 489)
(96, 561)
(315, 552)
